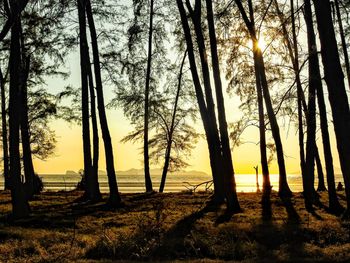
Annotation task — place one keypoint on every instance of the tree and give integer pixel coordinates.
(219, 164)
(92, 192)
(334, 78)
(20, 206)
(321, 185)
(170, 133)
(148, 181)
(4, 132)
(284, 190)
(114, 197)
(262, 127)
(343, 42)
(229, 175)
(24, 127)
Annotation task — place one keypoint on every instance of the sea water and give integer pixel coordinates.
(174, 182)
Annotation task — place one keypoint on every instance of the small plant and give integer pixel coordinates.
(139, 246)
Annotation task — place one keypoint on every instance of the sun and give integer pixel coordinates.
(261, 43)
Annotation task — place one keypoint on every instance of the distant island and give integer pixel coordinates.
(134, 171)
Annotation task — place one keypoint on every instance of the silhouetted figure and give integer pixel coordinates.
(340, 187)
(256, 168)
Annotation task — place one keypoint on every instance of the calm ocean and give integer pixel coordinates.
(174, 183)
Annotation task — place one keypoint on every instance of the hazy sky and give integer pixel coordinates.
(68, 155)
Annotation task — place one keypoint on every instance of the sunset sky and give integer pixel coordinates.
(68, 154)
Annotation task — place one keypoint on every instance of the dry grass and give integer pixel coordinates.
(166, 227)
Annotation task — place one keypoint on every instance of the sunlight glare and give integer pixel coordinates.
(262, 43)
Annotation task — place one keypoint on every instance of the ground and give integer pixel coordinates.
(171, 227)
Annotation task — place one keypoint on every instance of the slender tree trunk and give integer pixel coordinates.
(262, 127)
(208, 128)
(311, 113)
(148, 181)
(306, 177)
(334, 78)
(114, 197)
(20, 206)
(294, 56)
(26, 147)
(284, 190)
(171, 132)
(4, 133)
(229, 175)
(84, 64)
(321, 185)
(96, 196)
(334, 205)
(215, 138)
(343, 42)
(311, 148)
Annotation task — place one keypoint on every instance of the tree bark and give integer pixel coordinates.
(4, 133)
(321, 185)
(334, 78)
(334, 205)
(96, 196)
(20, 206)
(84, 64)
(208, 128)
(284, 190)
(262, 127)
(24, 126)
(229, 174)
(215, 138)
(343, 42)
(148, 181)
(311, 113)
(114, 197)
(306, 174)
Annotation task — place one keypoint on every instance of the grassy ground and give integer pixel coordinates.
(168, 227)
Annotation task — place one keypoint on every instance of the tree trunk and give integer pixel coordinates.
(170, 139)
(148, 181)
(284, 190)
(96, 194)
(229, 175)
(334, 205)
(26, 147)
(343, 42)
(311, 113)
(334, 78)
(20, 206)
(321, 185)
(213, 153)
(4, 133)
(262, 127)
(214, 134)
(84, 64)
(306, 177)
(114, 197)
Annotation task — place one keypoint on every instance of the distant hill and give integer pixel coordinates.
(134, 171)
(158, 171)
(70, 172)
